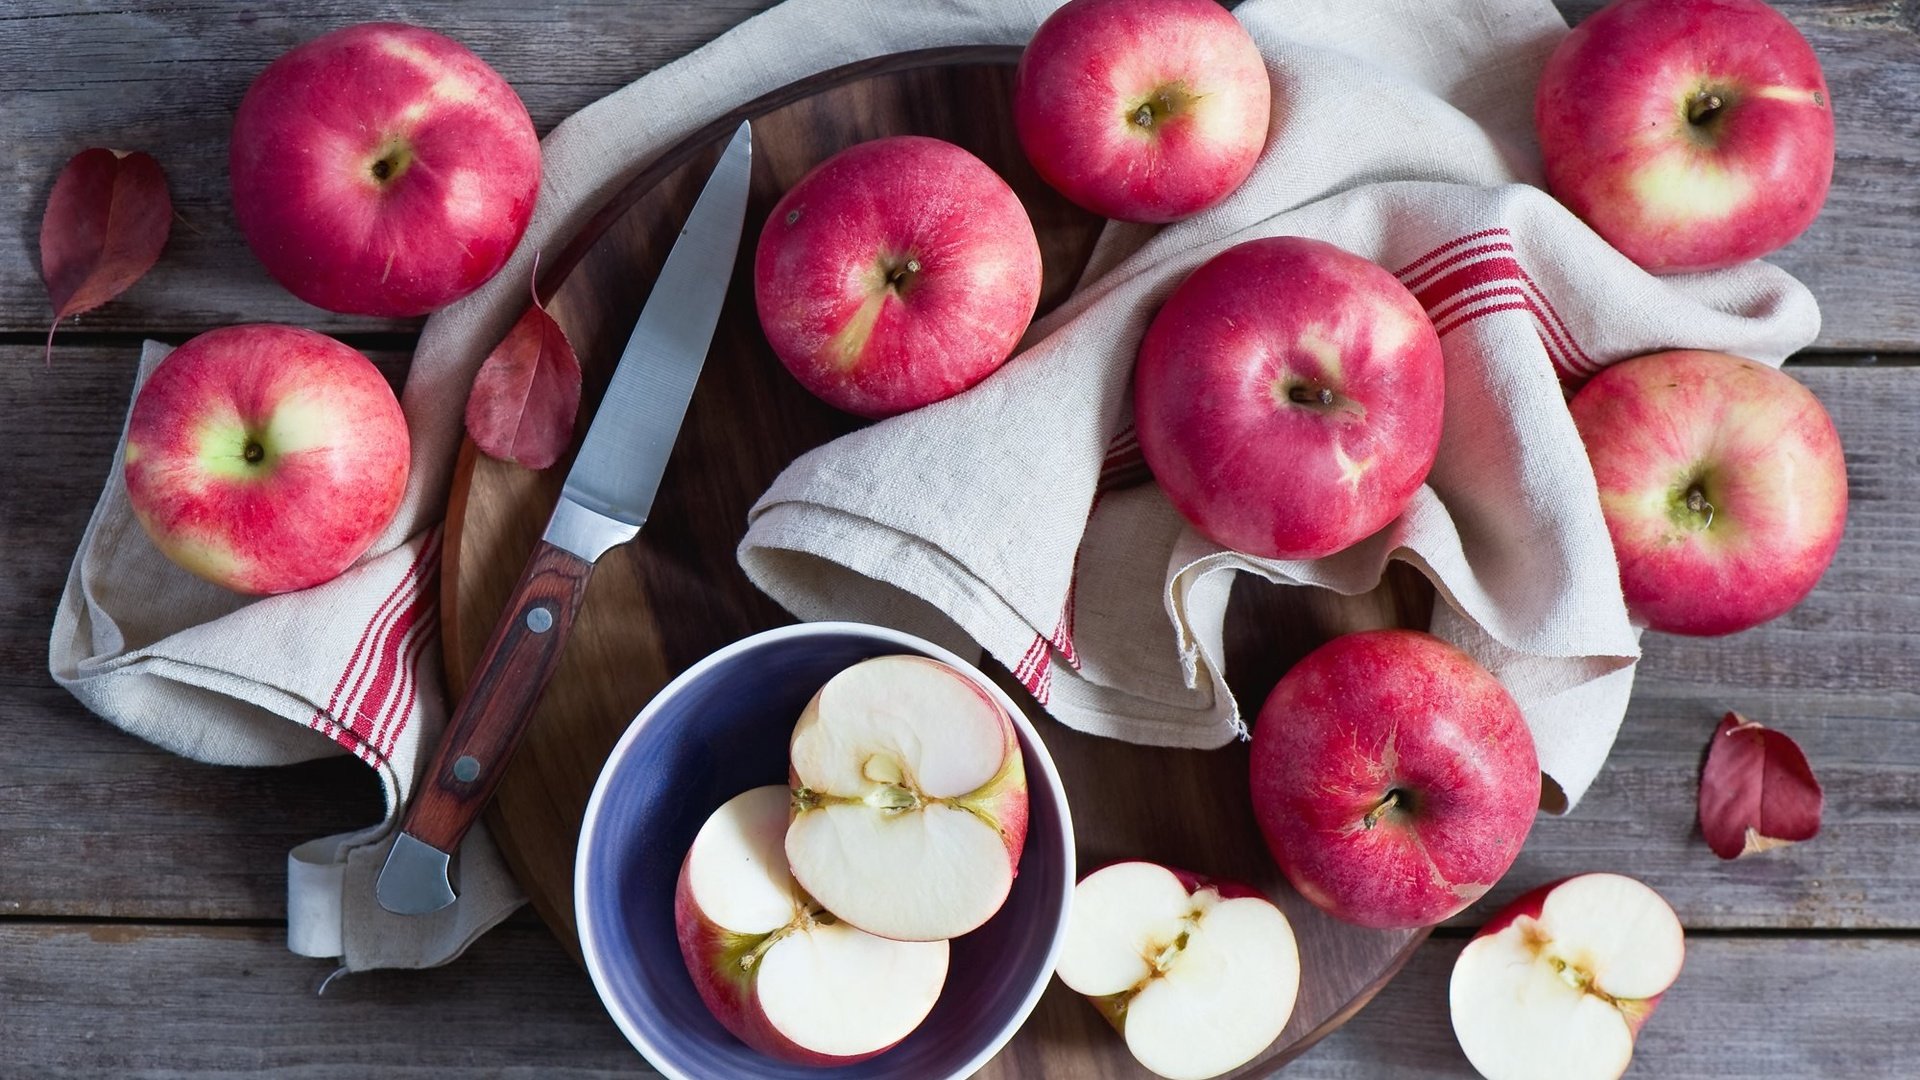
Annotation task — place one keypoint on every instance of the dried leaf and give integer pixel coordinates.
(106, 222)
(525, 398)
(1756, 791)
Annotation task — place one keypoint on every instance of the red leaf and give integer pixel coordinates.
(1756, 791)
(106, 222)
(525, 398)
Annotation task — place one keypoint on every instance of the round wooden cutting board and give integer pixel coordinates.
(657, 605)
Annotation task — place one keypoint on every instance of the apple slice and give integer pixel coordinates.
(776, 970)
(1559, 983)
(1199, 976)
(909, 799)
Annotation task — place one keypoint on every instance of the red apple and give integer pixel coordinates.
(1142, 110)
(383, 169)
(1560, 982)
(265, 458)
(1722, 484)
(1393, 778)
(1288, 398)
(1691, 134)
(774, 968)
(898, 272)
(909, 799)
(1163, 953)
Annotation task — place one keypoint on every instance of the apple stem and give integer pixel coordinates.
(253, 452)
(902, 274)
(1143, 116)
(1703, 106)
(1301, 395)
(1374, 815)
(1697, 502)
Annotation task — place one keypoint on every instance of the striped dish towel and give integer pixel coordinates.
(353, 664)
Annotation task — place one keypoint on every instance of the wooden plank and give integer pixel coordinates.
(139, 1001)
(96, 823)
(166, 78)
(153, 1002)
(108, 826)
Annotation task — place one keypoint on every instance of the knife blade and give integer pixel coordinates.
(608, 495)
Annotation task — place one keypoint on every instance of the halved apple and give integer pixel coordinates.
(909, 799)
(778, 971)
(1199, 976)
(1559, 983)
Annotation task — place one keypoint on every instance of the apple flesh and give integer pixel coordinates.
(1288, 398)
(897, 273)
(910, 799)
(1560, 982)
(1722, 483)
(265, 458)
(1393, 778)
(383, 169)
(1199, 976)
(776, 969)
(1691, 134)
(1142, 110)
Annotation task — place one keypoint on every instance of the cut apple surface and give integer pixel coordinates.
(1198, 976)
(778, 971)
(1559, 983)
(909, 799)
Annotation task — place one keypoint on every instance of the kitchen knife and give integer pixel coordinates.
(606, 499)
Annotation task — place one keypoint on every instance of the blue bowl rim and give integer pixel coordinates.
(1036, 753)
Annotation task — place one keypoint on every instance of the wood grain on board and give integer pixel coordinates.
(657, 605)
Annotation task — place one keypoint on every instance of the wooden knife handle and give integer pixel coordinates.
(513, 670)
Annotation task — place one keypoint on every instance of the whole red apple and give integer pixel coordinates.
(898, 272)
(1691, 134)
(1288, 398)
(383, 169)
(1722, 484)
(1393, 778)
(1142, 110)
(265, 458)
(1560, 982)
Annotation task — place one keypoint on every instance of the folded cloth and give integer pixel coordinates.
(1401, 131)
(352, 666)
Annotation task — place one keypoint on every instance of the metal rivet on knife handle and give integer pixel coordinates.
(540, 620)
(466, 768)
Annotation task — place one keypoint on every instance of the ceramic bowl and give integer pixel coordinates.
(721, 728)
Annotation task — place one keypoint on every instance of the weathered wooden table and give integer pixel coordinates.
(142, 896)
